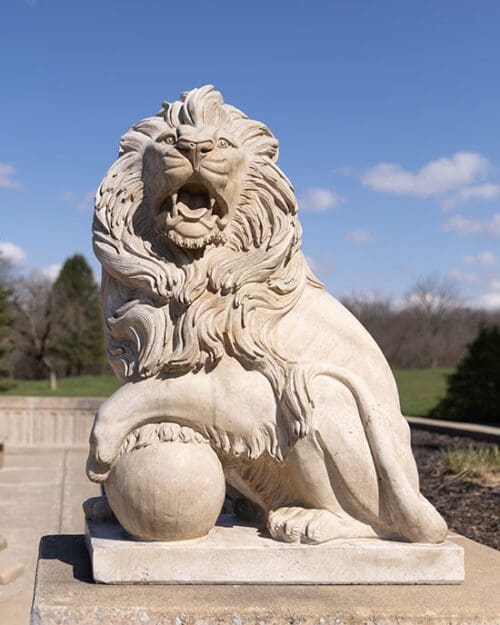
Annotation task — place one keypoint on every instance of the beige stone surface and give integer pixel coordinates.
(10, 568)
(214, 321)
(65, 594)
(41, 491)
(171, 488)
(236, 554)
(46, 421)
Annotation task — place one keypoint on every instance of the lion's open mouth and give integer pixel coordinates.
(193, 201)
(193, 215)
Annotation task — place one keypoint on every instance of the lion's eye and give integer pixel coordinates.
(223, 143)
(169, 139)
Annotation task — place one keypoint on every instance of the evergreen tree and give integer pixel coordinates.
(5, 325)
(474, 389)
(78, 340)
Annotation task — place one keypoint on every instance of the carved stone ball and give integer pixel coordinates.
(167, 484)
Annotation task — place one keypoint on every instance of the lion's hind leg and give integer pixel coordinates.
(367, 457)
(313, 526)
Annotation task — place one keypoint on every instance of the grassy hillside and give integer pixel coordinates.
(420, 389)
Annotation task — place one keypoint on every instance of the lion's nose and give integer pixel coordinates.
(195, 150)
(204, 147)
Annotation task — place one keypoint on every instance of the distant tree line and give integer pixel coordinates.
(50, 329)
(5, 324)
(431, 327)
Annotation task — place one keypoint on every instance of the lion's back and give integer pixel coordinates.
(321, 330)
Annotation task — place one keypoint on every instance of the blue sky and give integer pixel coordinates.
(387, 114)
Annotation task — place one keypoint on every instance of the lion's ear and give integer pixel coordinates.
(255, 135)
(271, 148)
(164, 110)
(264, 143)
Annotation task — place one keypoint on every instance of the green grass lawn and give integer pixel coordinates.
(420, 389)
(83, 386)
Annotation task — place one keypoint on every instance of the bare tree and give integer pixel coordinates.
(434, 296)
(5, 323)
(5, 269)
(431, 304)
(33, 330)
(431, 327)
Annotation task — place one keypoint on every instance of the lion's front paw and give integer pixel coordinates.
(312, 526)
(97, 469)
(105, 442)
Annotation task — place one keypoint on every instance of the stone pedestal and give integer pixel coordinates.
(237, 554)
(65, 593)
(10, 568)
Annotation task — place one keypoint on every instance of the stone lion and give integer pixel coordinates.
(215, 321)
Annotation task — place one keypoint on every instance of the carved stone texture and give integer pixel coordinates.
(215, 322)
(167, 484)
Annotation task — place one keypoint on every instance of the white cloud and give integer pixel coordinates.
(6, 180)
(464, 277)
(491, 301)
(362, 237)
(482, 258)
(82, 201)
(12, 252)
(437, 177)
(462, 225)
(366, 296)
(319, 200)
(51, 272)
(476, 192)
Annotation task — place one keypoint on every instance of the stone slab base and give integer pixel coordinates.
(65, 593)
(236, 554)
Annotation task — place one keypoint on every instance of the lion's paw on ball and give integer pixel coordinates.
(167, 484)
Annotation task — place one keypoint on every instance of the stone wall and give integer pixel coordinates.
(47, 421)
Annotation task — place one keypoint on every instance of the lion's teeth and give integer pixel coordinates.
(174, 204)
(212, 202)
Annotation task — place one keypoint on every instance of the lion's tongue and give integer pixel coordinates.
(192, 205)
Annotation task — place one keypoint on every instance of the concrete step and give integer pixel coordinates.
(10, 568)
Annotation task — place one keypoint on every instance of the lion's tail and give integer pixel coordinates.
(414, 518)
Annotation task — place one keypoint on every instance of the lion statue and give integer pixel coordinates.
(215, 321)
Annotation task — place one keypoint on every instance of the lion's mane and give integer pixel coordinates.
(169, 310)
